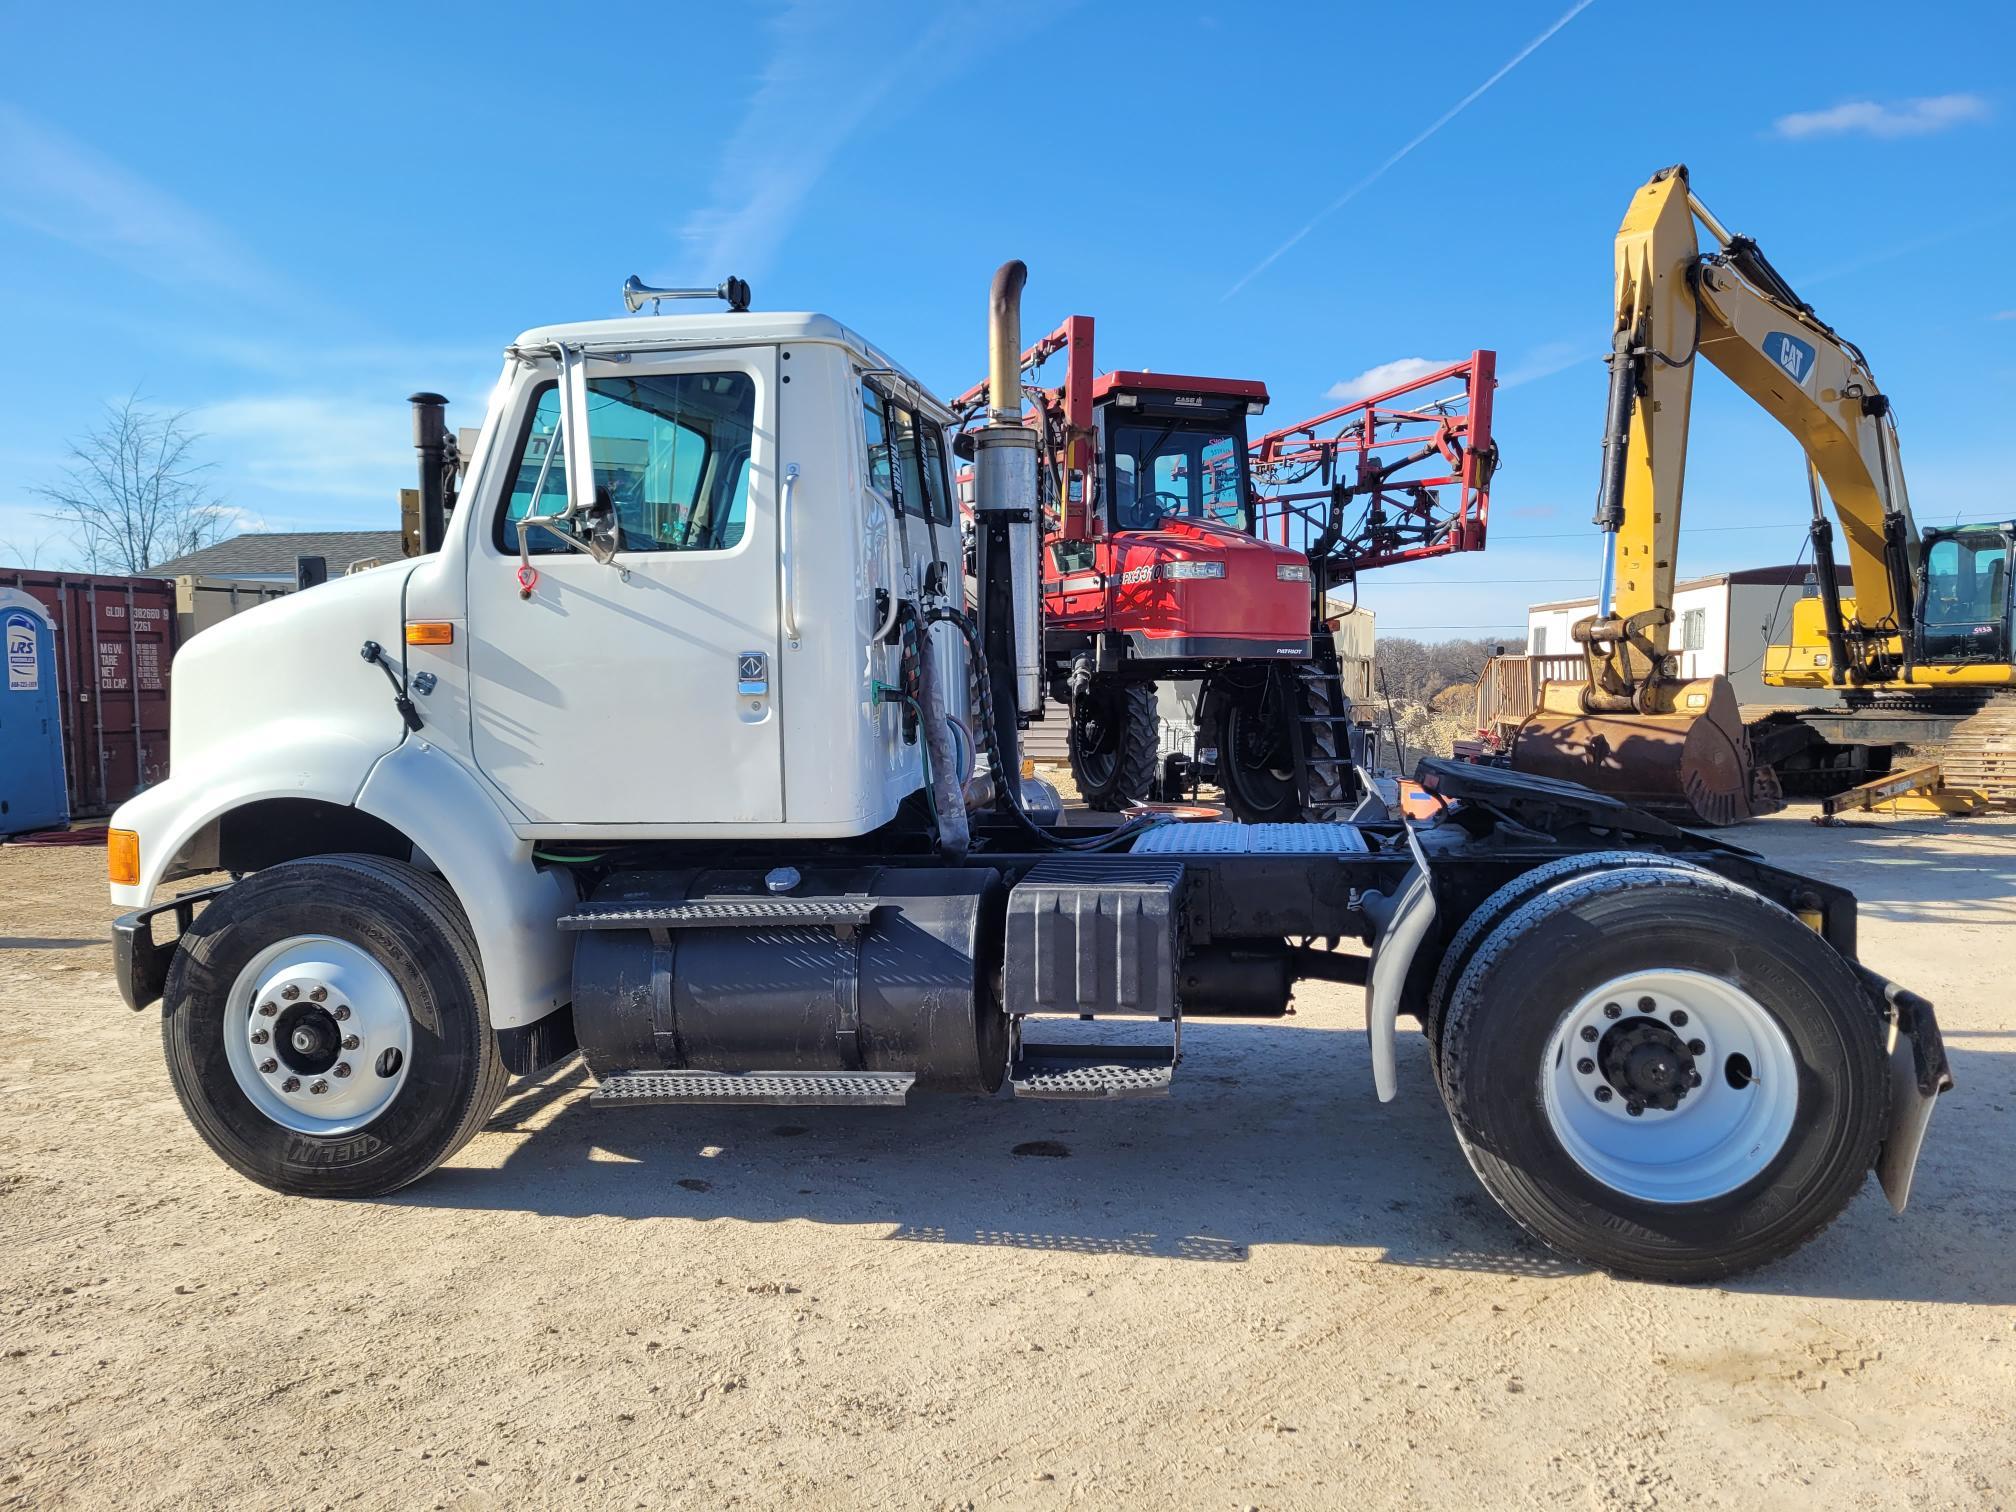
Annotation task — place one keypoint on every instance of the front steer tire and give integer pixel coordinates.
(1568, 944)
(406, 921)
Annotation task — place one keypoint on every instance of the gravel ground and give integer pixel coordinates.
(1266, 1291)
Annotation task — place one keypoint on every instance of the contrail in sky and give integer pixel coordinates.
(1440, 121)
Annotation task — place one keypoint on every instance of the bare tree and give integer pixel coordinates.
(134, 495)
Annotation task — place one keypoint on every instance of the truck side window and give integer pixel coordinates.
(875, 431)
(934, 475)
(670, 449)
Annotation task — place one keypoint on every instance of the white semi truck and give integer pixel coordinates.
(663, 756)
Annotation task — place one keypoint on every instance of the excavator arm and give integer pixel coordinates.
(1731, 307)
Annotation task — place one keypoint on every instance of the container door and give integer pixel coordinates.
(637, 689)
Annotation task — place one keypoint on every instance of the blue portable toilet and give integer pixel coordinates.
(33, 795)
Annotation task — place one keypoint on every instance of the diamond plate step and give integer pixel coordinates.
(725, 913)
(771, 1089)
(1084, 1071)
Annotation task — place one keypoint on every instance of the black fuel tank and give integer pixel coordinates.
(853, 969)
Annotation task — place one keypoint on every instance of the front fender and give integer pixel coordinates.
(437, 803)
(291, 759)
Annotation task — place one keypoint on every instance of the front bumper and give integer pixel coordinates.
(1919, 1072)
(140, 963)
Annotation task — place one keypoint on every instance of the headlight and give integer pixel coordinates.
(1178, 571)
(1293, 572)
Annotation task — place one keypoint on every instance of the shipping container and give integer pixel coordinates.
(115, 637)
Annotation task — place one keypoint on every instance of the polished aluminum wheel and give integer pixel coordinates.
(317, 1035)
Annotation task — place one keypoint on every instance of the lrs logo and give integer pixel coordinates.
(1791, 354)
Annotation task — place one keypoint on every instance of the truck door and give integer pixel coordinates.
(640, 689)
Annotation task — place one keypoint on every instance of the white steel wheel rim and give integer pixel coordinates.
(317, 1035)
(1724, 1131)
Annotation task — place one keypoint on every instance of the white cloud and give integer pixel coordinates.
(773, 161)
(1896, 118)
(2003, 315)
(322, 451)
(1377, 380)
(1545, 360)
(52, 184)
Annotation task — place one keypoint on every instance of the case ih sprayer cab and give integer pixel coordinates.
(1175, 549)
(654, 756)
(1152, 571)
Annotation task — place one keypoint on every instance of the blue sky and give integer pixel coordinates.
(287, 218)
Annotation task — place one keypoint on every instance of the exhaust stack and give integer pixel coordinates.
(1004, 506)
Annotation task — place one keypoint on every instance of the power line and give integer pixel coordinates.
(1590, 534)
(1471, 582)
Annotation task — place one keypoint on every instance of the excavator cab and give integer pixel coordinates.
(1964, 603)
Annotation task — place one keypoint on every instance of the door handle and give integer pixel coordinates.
(785, 554)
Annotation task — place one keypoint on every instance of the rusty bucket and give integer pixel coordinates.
(1689, 762)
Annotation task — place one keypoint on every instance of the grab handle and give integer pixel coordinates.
(785, 554)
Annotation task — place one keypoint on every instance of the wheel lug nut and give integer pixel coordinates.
(269, 1066)
(320, 994)
(342, 1012)
(1697, 1047)
(1634, 1108)
(1679, 1017)
(1611, 1010)
(1585, 1065)
(290, 992)
(318, 1086)
(1604, 1094)
(267, 1010)
(1589, 1033)
(260, 1036)
(1646, 1005)
(342, 1068)
(292, 1084)
(351, 1042)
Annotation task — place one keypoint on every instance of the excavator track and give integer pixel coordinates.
(1980, 754)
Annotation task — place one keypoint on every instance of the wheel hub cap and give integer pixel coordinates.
(1645, 1060)
(317, 1035)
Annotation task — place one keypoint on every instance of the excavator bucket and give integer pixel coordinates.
(1691, 764)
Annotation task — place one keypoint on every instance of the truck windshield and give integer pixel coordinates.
(1174, 469)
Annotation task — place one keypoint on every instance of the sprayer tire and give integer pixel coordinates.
(1122, 770)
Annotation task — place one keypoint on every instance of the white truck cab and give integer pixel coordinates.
(708, 655)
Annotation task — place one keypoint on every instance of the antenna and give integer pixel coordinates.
(734, 291)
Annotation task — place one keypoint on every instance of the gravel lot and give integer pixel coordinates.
(1266, 1291)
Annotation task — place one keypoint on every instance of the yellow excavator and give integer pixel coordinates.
(1927, 630)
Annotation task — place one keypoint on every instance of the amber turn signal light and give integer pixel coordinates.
(430, 633)
(122, 857)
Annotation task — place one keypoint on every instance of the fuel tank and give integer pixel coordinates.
(853, 969)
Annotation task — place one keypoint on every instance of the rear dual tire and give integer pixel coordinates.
(1742, 1168)
(407, 1072)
